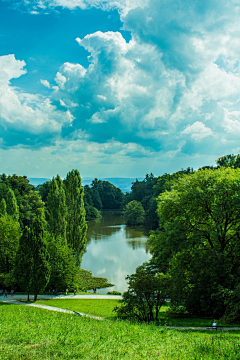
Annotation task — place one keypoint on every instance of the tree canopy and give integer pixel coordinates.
(198, 238)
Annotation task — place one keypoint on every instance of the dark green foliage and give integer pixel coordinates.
(28, 200)
(11, 203)
(86, 281)
(147, 292)
(9, 240)
(64, 271)
(229, 161)
(56, 212)
(134, 213)
(40, 271)
(76, 223)
(198, 241)
(32, 269)
(3, 208)
(106, 196)
(23, 262)
(43, 190)
(91, 211)
(114, 293)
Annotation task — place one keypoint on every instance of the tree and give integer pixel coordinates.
(134, 213)
(23, 262)
(3, 208)
(40, 272)
(64, 272)
(56, 208)
(32, 268)
(147, 292)
(9, 239)
(76, 223)
(198, 239)
(86, 281)
(11, 203)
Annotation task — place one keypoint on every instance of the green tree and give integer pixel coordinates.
(11, 203)
(3, 208)
(56, 208)
(147, 292)
(64, 272)
(134, 213)
(24, 262)
(76, 223)
(9, 239)
(198, 240)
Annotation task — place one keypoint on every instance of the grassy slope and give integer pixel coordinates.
(32, 333)
(104, 308)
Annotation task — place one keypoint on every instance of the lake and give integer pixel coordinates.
(114, 250)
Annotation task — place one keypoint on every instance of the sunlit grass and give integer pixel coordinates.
(32, 333)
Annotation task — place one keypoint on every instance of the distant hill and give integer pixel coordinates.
(122, 183)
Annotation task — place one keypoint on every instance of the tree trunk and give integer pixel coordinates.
(28, 297)
(35, 297)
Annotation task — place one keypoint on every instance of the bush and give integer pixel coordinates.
(114, 293)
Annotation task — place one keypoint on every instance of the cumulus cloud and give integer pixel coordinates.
(173, 88)
(26, 112)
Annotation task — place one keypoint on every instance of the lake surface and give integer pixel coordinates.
(114, 250)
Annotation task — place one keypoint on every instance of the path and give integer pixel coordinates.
(47, 297)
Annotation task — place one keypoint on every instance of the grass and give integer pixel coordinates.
(104, 308)
(32, 333)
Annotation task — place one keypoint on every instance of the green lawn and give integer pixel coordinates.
(33, 333)
(104, 308)
(101, 307)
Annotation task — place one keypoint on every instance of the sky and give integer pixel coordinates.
(118, 88)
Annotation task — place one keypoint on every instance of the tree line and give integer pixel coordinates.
(196, 246)
(42, 233)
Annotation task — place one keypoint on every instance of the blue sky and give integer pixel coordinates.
(118, 88)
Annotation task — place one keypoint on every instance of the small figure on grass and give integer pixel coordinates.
(66, 291)
(5, 293)
(75, 291)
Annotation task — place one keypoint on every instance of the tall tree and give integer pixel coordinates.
(198, 240)
(12, 207)
(3, 208)
(56, 208)
(76, 223)
(40, 271)
(24, 262)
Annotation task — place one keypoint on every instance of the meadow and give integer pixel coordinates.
(33, 333)
(104, 308)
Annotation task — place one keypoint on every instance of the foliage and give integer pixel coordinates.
(147, 292)
(105, 195)
(28, 200)
(86, 281)
(63, 267)
(114, 293)
(9, 240)
(134, 213)
(76, 223)
(56, 208)
(198, 240)
(32, 269)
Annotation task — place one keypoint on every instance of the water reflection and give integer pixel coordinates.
(114, 250)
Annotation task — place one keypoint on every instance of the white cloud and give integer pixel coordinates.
(198, 131)
(46, 83)
(23, 111)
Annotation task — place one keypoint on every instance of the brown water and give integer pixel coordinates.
(114, 250)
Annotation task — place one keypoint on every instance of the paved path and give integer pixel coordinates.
(47, 297)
